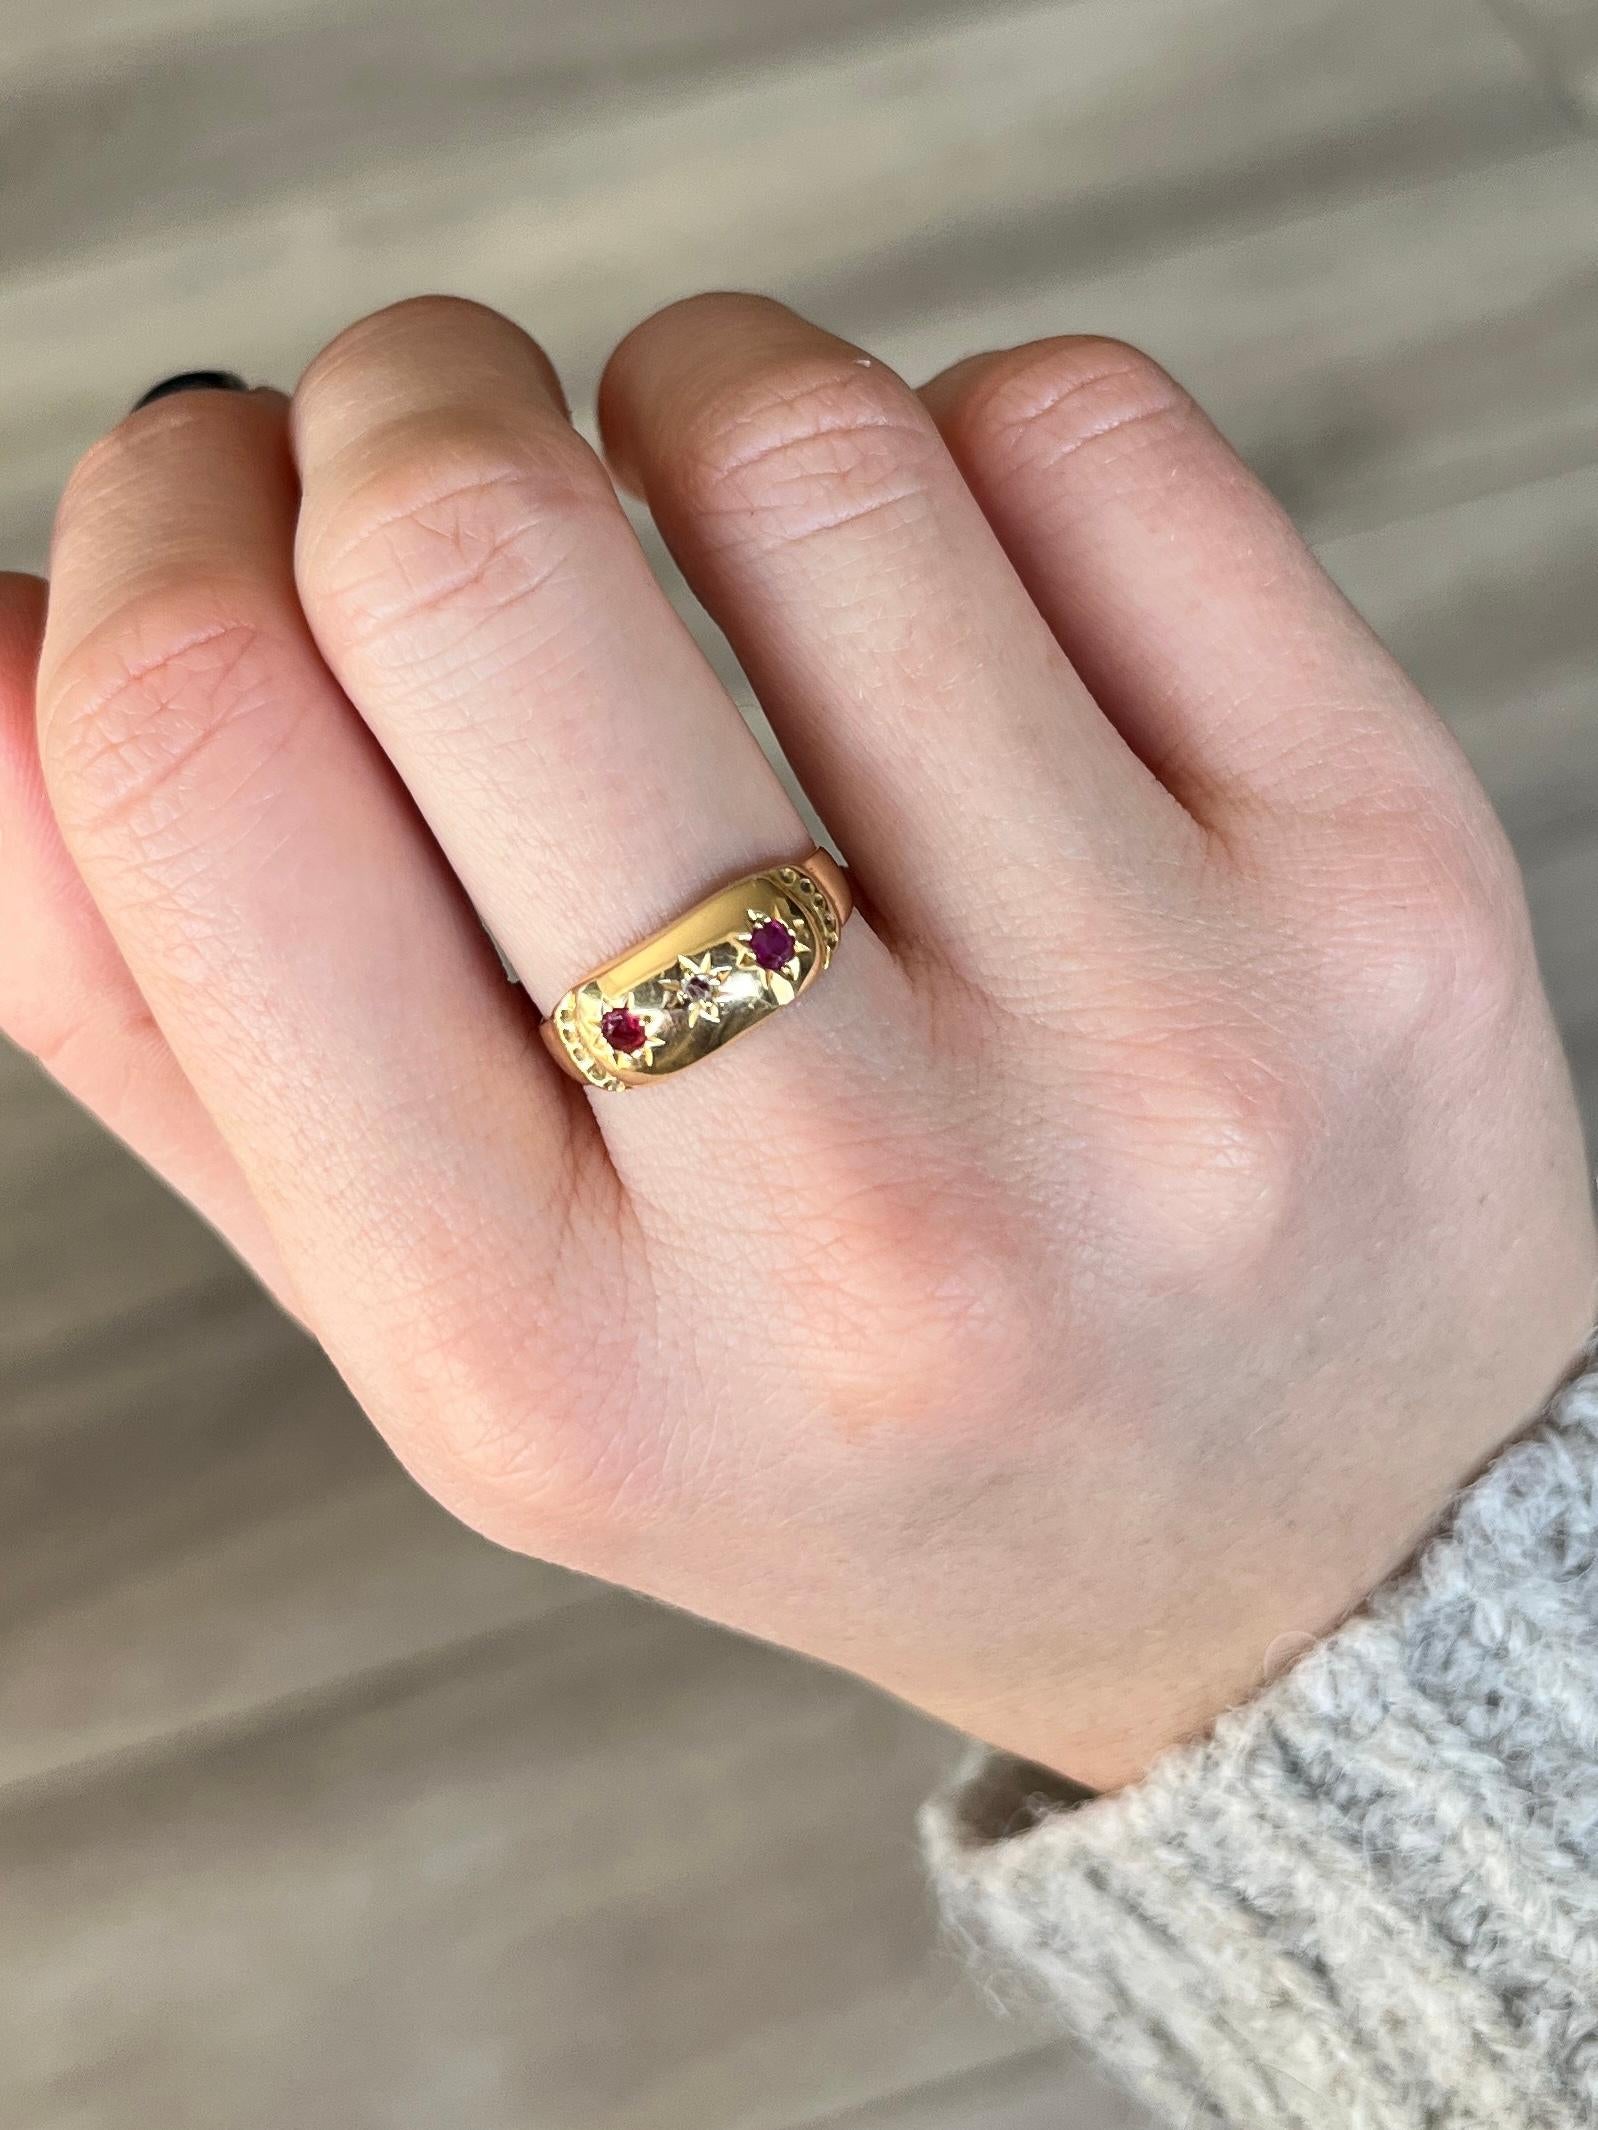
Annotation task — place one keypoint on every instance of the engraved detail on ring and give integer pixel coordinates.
(719, 970)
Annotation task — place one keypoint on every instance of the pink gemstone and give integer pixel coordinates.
(771, 943)
(623, 1030)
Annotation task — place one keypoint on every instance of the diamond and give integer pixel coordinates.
(696, 989)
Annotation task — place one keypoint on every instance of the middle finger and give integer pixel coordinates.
(915, 686)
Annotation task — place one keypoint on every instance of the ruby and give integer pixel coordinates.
(771, 943)
(623, 1030)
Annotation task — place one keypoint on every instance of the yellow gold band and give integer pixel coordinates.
(701, 982)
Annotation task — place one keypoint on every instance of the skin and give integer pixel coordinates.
(1103, 1279)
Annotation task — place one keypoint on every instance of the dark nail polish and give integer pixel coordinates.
(192, 381)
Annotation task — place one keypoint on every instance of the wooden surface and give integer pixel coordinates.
(315, 1810)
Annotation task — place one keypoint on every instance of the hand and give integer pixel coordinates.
(1105, 1275)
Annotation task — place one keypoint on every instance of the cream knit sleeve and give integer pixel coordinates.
(1370, 1900)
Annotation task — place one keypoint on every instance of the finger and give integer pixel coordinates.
(66, 995)
(927, 708)
(477, 588)
(317, 972)
(1183, 593)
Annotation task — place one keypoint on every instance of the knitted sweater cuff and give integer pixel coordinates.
(1370, 1899)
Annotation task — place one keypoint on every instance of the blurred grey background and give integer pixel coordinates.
(315, 1811)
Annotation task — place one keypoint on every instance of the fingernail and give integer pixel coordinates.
(192, 381)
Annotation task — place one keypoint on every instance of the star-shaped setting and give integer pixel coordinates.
(696, 989)
(774, 951)
(627, 1032)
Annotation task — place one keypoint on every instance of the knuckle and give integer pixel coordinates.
(538, 1469)
(807, 445)
(459, 522)
(918, 1306)
(129, 712)
(1203, 1148)
(1436, 936)
(1037, 409)
(525, 1401)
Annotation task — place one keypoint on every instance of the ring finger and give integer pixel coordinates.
(473, 582)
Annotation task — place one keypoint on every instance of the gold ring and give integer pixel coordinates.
(703, 981)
